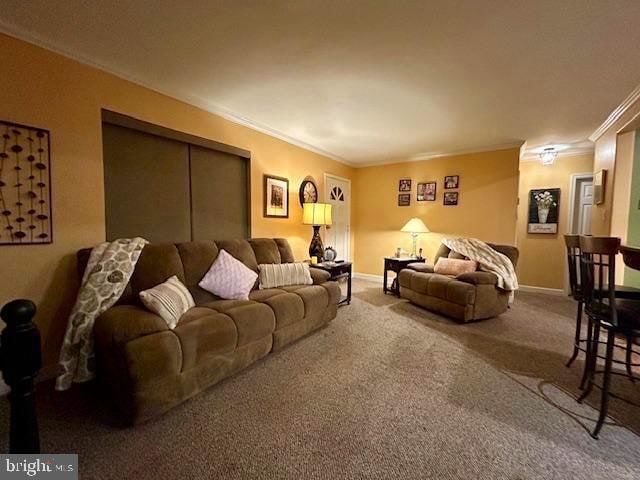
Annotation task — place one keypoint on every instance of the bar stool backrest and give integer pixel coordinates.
(573, 261)
(597, 268)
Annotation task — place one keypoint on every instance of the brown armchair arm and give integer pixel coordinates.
(123, 323)
(478, 278)
(319, 276)
(420, 267)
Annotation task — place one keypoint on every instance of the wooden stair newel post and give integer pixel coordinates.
(20, 361)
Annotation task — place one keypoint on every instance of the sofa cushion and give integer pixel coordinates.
(315, 297)
(204, 332)
(241, 250)
(287, 307)
(253, 320)
(197, 258)
(286, 254)
(229, 278)
(155, 265)
(266, 250)
(262, 295)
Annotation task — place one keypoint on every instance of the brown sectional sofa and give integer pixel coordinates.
(467, 297)
(148, 368)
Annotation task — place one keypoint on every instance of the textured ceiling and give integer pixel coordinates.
(365, 81)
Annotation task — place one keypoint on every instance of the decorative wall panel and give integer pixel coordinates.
(25, 185)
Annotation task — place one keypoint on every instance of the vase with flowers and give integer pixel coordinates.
(544, 201)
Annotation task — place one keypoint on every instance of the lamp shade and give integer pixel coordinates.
(415, 225)
(316, 214)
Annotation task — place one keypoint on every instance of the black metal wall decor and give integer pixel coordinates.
(25, 185)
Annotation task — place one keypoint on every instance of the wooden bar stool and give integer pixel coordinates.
(616, 317)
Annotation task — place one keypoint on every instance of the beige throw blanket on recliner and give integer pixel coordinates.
(105, 277)
(489, 260)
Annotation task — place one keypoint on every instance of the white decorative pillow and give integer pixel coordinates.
(170, 300)
(229, 278)
(274, 275)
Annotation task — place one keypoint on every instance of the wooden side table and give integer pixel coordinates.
(338, 270)
(395, 264)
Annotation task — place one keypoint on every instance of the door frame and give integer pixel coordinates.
(326, 197)
(574, 179)
(573, 185)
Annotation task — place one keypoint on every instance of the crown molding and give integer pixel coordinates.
(616, 114)
(434, 155)
(193, 100)
(533, 156)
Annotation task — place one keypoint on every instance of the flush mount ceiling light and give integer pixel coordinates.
(548, 156)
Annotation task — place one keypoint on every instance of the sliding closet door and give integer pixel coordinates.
(219, 195)
(146, 180)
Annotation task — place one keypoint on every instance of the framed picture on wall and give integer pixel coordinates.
(599, 179)
(544, 204)
(404, 185)
(404, 200)
(451, 182)
(450, 198)
(276, 197)
(426, 192)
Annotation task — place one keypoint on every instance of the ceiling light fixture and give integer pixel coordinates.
(548, 156)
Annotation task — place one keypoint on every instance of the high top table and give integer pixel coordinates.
(631, 257)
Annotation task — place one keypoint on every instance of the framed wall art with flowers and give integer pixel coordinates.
(544, 205)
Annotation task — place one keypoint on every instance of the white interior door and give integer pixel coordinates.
(584, 208)
(338, 194)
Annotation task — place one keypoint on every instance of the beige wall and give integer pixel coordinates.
(43, 89)
(486, 209)
(543, 256)
(618, 165)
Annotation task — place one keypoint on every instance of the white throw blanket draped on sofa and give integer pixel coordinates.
(489, 260)
(107, 273)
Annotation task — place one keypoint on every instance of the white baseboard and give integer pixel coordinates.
(548, 291)
(368, 276)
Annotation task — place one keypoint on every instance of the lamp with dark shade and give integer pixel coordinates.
(316, 214)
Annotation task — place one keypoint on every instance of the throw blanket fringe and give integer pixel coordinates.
(489, 260)
(107, 274)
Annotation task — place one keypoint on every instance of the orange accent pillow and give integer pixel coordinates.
(454, 266)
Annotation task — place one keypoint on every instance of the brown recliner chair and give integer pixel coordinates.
(467, 297)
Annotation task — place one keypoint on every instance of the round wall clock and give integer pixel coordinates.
(308, 192)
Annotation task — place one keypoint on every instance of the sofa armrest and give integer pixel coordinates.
(319, 276)
(420, 267)
(478, 278)
(123, 323)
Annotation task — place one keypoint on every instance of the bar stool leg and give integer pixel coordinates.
(576, 341)
(606, 382)
(592, 359)
(628, 358)
(587, 360)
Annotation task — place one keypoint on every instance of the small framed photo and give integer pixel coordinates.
(451, 198)
(404, 185)
(404, 200)
(599, 180)
(426, 192)
(276, 197)
(451, 182)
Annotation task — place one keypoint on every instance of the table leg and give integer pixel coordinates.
(384, 285)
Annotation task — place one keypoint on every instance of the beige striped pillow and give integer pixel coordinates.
(170, 300)
(274, 275)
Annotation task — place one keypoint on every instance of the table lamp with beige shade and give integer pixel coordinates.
(415, 227)
(316, 214)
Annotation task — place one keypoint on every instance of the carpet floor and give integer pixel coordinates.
(387, 391)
